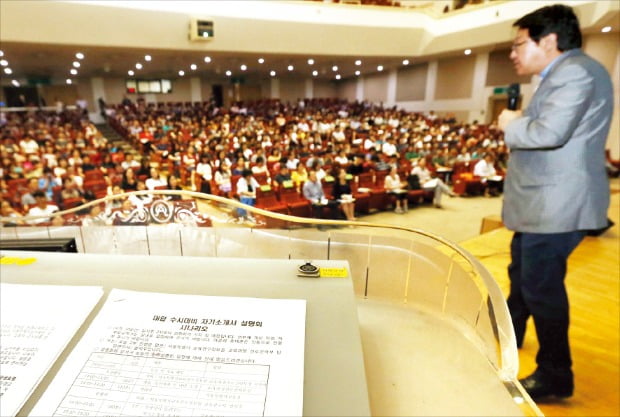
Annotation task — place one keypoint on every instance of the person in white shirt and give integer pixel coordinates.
(29, 146)
(205, 171)
(394, 186)
(155, 180)
(485, 169)
(42, 208)
(246, 189)
(429, 183)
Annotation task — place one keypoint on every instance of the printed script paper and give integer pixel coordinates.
(37, 322)
(165, 354)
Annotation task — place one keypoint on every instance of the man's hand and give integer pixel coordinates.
(507, 116)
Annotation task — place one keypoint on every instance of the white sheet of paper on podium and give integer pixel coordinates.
(37, 322)
(168, 354)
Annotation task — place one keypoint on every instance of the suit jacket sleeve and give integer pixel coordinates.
(552, 121)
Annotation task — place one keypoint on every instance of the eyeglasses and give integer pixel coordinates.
(516, 45)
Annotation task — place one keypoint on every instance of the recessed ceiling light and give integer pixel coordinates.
(261, 60)
(335, 68)
(290, 68)
(311, 61)
(73, 71)
(606, 29)
(193, 67)
(147, 57)
(243, 67)
(79, 55)
(272, 73)
(467, 51)
(358, 72)
(4, 62)
(315, 73)
(207, 59)
(337, 76)
(228, 73)
(405, 62)
(138, 66)
(8, 70)
(1, 53)
(358, 62)
(15, 83)
(130, 72)
(181, 73)
(379, 67)
(69, 81)
(76, 64)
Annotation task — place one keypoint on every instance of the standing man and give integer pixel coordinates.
(556, 188)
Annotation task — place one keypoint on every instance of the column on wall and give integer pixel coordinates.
(195, 89)
(479, 95)
(359, 89)
(391, 87)
(309, 91)
(431, 82)
(275, 88)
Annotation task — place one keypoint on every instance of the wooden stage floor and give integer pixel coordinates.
(594, 292)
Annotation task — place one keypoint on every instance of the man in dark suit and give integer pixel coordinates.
(556, 188)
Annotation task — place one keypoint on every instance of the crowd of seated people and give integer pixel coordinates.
(207, 148)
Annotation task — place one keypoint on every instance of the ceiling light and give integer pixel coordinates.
(1, 53)
(606, 29)
(261, 60)
(73, 71)
(4, 62)
(15, 83)
(138, 66)
(76, 64)
(207, 59)
(69, 81)
(335, 68)
(311, 61)
(315, 73)
(358, 62)
(79, 55)
(337, 76)
(272, 73)
(290, 68)
(181, 73)
(8, 70)
(130, 73)
(228, 73)
(405, 62)
(467, 51)
(193, 67)
(379, 67)
(147, 57)
(243, 67)
(358, 72)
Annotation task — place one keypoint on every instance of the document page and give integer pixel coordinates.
(36, 323)
(149, 354)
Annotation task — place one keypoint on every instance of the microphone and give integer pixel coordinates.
(514, 91)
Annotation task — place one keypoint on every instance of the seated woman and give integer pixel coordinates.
(394, 186)
(299, 176)
(174, 183)
(129, 181)
(223, 179)
(342, 193)
(429, 183)
(246, 189)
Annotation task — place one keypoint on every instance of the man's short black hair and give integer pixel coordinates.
(38, 194)
(558, 19)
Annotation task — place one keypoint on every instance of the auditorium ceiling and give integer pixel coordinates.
(42, 60)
